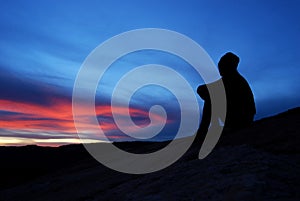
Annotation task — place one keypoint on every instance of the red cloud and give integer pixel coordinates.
(57, 116)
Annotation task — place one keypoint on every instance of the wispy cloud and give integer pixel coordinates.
(55, 121)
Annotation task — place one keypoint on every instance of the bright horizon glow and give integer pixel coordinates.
(43, 45)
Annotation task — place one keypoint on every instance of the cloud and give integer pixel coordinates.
(16, 87)
(55, 120)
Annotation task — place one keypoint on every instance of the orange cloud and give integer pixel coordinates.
(57, 117)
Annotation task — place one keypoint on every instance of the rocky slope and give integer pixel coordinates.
(258, 163)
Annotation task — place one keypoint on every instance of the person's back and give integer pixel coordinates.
(240, 101)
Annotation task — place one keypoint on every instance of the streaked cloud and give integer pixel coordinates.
(43, 44)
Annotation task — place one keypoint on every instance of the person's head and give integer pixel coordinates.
(228, 63)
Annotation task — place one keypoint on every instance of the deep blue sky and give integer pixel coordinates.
(43, 44)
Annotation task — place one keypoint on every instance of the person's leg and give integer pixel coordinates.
(193, 151)
(204, 125)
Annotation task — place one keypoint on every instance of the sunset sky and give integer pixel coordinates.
(44, 43)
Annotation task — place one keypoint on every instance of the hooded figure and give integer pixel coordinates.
(239, 98)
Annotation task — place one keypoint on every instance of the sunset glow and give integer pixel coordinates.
(55, 120)
(43, 45)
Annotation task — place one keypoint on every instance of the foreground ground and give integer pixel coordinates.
(259, 163)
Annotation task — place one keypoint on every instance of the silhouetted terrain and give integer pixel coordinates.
(258, 163)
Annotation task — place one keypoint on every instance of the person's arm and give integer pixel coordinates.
(207, 117)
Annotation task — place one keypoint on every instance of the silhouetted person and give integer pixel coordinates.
(239, 99)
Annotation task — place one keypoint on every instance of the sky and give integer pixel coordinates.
(44, 43)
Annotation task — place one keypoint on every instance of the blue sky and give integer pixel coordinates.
(43, 44)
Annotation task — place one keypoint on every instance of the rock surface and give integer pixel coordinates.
(259, 163)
